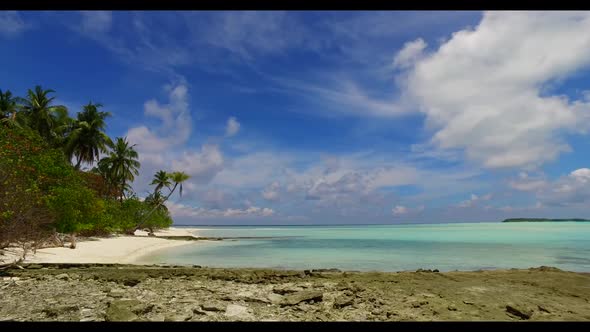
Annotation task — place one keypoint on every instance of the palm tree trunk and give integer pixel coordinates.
(78, 163)
(156, 207)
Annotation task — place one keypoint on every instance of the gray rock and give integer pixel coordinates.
(157, 318)
(63, 276)
(303, 296)
(257, 299)
(343, 301)
(274, 298)
(116, 293)
(126, 310)
(282, 290)
(55, 311)
(213, 306)
(238, 312)
(519, 311)
(177, 317)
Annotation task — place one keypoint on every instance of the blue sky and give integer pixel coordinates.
(331, 117)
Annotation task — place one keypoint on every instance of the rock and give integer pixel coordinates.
(257, 299)
(198, 311)
(325, 270)
(62, 276)
(213, 306)
(343, 301)
(519, 311)
(116, 293)
(303, 296)
(544, 309)
(157, 318)
(126, 310)
(131, 282)
(452, 307)
(237, 312)
(55, 311)
(177, 317)
(282, 290)
(274, 298)
(34, 266)
(468, 302)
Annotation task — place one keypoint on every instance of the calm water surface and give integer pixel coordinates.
(447, 247)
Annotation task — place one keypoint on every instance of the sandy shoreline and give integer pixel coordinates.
(119, 249)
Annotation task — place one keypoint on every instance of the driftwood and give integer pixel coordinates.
(16, 263)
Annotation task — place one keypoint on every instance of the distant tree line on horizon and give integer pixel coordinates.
(44, 193)
(541, 219)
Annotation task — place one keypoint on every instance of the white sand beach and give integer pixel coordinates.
(120, 249)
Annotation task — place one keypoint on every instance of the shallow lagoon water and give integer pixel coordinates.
(447, 247)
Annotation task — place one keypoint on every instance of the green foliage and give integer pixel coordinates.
(40, 189)
(76, 208)
(121, 165)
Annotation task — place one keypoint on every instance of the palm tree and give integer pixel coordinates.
(49, 120)
(88, 139)
(178, 178)
(8, 104)
(156, 200)
(120, 165)
(161, 179)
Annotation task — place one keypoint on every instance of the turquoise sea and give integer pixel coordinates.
(447, 247)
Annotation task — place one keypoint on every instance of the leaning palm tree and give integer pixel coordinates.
(178, 178)
(120, 165)
(49, 120)
(87, 138)
(161, 179)
(156, 200)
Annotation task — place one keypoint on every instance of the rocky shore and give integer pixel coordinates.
(105, 292)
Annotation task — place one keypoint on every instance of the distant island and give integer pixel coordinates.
(542, 220)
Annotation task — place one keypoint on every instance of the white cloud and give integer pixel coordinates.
(527, 183)
(176, 124)
(573, 189)
(11, 24)
(484, 90)
(180, 210)
(474, 200)
(232, 127)
(271, 192)
(96, 21)
(203, 165)
(399, 209)
(410, 53)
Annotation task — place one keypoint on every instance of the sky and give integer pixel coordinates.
(325, 117)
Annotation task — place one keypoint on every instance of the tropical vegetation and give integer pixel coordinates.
(63, 177)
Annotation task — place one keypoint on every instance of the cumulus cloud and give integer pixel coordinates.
(527, 183)
(202, 165)
(176, 122)
(485, 89)
(474, 200)
(11, 23)
(181, 210)
(572, 189)
(399, 210)
(271, 192)
(232, 127)
(96, 21)
(409, 54)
